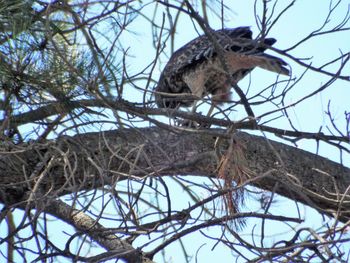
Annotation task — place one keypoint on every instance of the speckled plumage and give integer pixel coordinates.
(196, 68)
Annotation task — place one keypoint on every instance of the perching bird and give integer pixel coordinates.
(198, 69)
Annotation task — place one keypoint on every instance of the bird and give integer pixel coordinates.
(198, 69)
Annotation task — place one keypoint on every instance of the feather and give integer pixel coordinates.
(196, 69)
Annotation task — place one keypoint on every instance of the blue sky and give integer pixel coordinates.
(297, 23)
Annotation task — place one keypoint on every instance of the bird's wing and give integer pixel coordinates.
(201, 48)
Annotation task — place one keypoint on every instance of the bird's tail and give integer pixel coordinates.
(272, 63)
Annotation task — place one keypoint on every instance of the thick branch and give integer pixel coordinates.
(116, 247)
(108, 157)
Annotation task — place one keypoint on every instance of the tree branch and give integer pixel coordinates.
(116, 247)
(290, 172)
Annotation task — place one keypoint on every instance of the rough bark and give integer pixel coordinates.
(88, 161)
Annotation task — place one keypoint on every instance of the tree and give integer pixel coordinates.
(91, 170)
